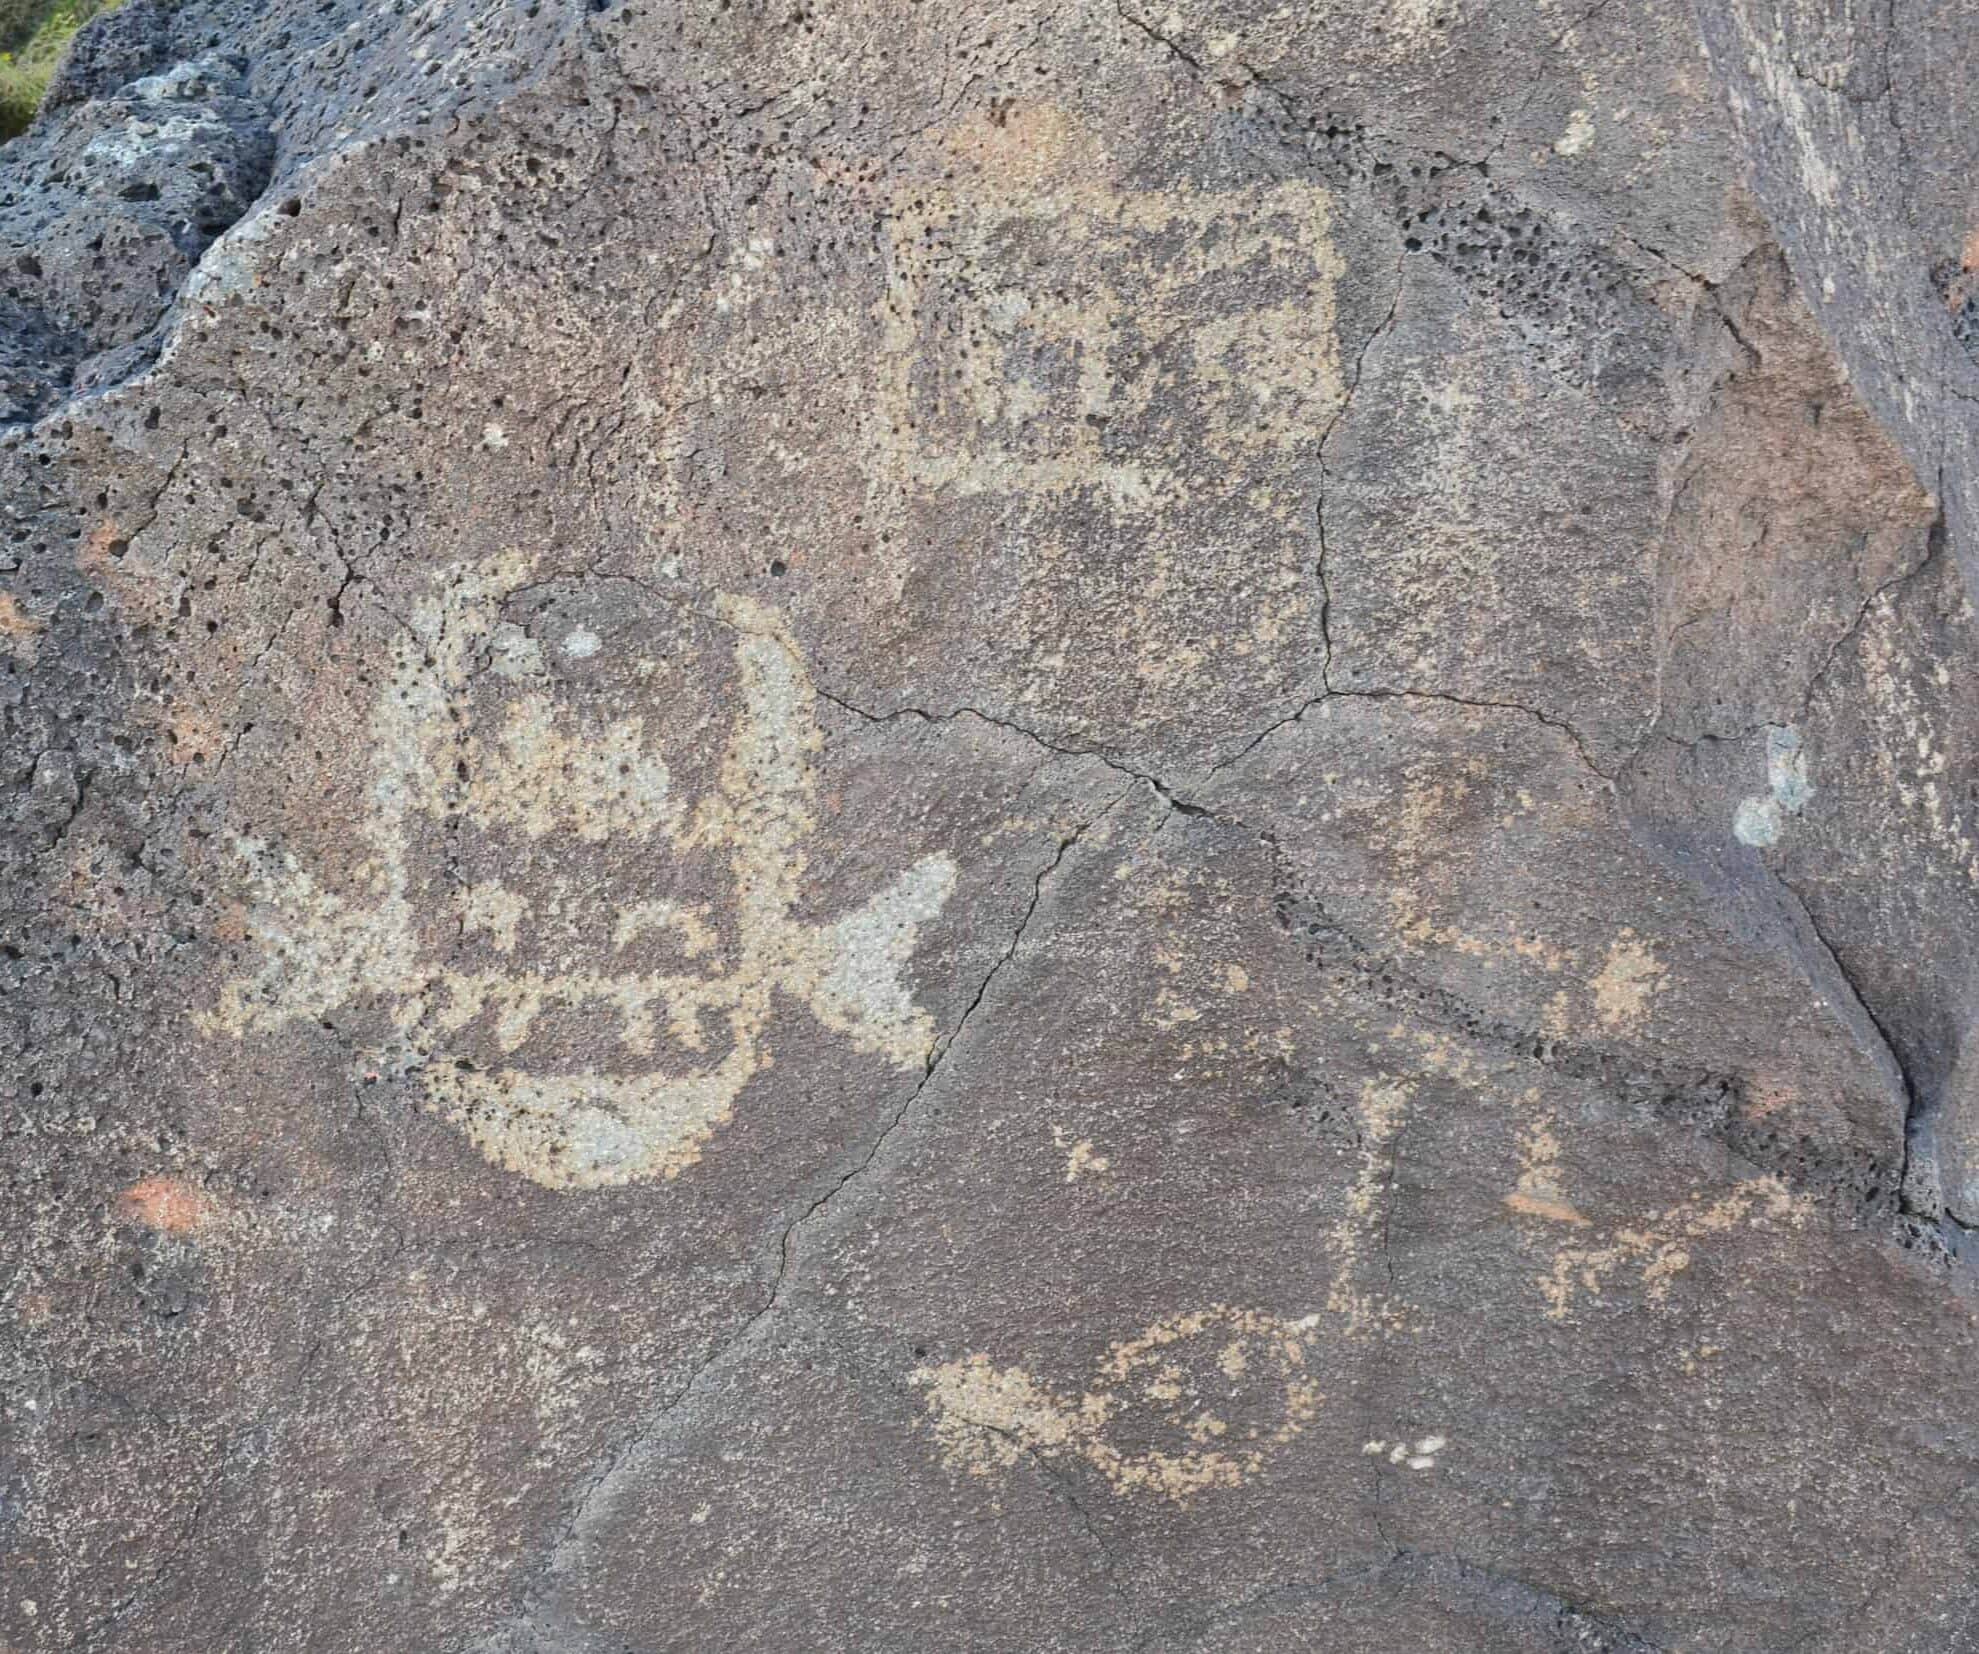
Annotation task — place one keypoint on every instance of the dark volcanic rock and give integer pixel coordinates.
(912, 826)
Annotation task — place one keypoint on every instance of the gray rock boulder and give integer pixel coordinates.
(908, 826)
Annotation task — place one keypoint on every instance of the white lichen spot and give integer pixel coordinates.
(580, 643)
(1786, 769)
(1420, 1455)
(493, 438)
(1757, 822)
(1761, 817)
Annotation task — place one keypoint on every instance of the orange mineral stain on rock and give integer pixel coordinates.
(1024, 145)
(168, 1204)
(1768, 1097)
(196, 738)
(1540, 1206)
(20, 632)
(1539, 1194)
(101, 548)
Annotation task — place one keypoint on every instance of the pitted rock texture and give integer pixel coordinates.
(1044, 827)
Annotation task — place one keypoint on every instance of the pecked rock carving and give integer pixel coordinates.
(1187, 1370)
(1062, 826)
(536, 776)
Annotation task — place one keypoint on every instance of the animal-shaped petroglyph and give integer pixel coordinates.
(689, 1040)
(1197, 1401)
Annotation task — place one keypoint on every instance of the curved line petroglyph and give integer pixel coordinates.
(540, 775)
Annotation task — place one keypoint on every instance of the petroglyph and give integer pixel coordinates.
(1539, 1193)
(1912, 757)
(1198, 1401)
(1085, 356)
(1629, 980)
(1658, 1248)
(543, 774)
(1058, 356)
(1383, 1106)
(1081, 1158)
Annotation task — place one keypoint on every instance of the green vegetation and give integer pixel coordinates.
(33, 36)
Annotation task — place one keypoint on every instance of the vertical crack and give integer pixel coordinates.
(621, 1462)
(1319, 505)
(1917, 1192)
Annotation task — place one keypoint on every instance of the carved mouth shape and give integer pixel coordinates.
(589, 1130)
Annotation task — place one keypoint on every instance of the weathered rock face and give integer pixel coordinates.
(924, 826)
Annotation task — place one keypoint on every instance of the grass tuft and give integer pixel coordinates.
(33, 36)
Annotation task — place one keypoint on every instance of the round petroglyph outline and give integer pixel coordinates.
(585, 1129)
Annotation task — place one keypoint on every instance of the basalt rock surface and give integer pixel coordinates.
(903, 825)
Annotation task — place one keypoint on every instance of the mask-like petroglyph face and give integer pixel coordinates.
(1143, 347)
(596, 1026)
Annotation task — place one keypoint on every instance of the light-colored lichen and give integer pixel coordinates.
(1762, 817)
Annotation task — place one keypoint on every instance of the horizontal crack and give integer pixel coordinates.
(1560, 725)
(1862, 1185)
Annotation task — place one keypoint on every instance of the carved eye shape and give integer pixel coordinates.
(1201, 1397)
